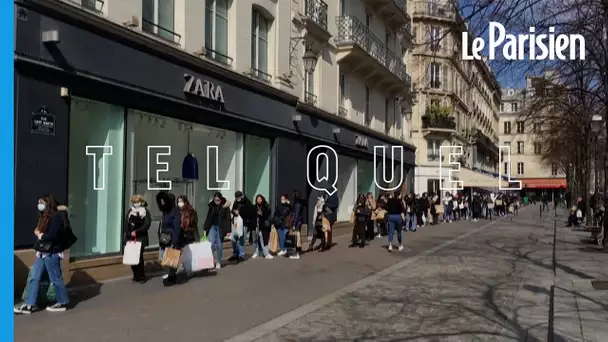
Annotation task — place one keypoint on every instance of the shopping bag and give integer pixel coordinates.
(439, 209)
(204, 236)
(171, 257)
(326, 225)
(511, 210)
(46, 289)
(352, 217)
(380, 214)
(131, 253)
(273, 241)
(197, 257)
(499, 203)
(579, 214)
(423, 219)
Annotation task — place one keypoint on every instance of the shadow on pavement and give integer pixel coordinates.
(81, 294)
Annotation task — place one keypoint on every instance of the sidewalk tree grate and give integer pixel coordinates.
(600, 284)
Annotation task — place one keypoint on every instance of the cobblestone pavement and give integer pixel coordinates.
(493, 285)
(241, 297)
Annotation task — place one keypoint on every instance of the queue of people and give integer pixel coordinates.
(266, 230)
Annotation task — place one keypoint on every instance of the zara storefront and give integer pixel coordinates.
(104, 85)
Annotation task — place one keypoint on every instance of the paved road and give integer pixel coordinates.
(241, 297)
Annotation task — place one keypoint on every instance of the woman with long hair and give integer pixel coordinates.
(188, 219)
(371, 223)
(49, 253)
(262, 229)
(362, 214)
(138, 223)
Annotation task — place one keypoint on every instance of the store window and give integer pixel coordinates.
(347, 186)
(95, 182)
(257, 167)
(185, 140)
(365, 177)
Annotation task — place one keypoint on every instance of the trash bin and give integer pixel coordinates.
(525, 200)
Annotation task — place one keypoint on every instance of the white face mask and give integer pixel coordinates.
(136, 205)
(41, 206)
(180, 204)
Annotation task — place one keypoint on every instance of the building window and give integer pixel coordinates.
(520, 168)
(95, 182)
(520, 127)
(520, 147)
(506, 169)
(435, 38)
(432, 186)
(366, 115)
(435, 75)
(386, 121)
(537, 148)
(158, 17)
(502, 107)
(536, 127)
(514, 106)
(259, 45)
(432, 149)
(553, 170)
(507, 127)
(216, 30)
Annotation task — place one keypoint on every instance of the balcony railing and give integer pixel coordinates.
(402, 5)
(434, 8)
(351, 30)
(155, 29)
(218, 56)
(316, 10)
(310, 98)
(261, 75)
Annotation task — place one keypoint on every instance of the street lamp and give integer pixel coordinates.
(310, 61)
(407, 112)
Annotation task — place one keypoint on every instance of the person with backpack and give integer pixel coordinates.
(54, 234)
(137, 225)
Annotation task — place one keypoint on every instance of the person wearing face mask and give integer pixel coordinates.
(245, 208)
(188, 223)
(49, 253)
(262, 228)
(169, 229)
(282, 218)
(138, 223)
(217, 223)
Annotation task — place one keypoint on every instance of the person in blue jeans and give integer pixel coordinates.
(394, 209)
(410, 213)
(49, 253)
(217, 223)
(247, 213)
(262, 228)
(282, 218)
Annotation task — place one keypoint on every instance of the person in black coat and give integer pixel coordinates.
(137, 225)
(169, 229)
(217, 224)
(261, 229)
(362, 215)
(282, 221)
(245, 208)
(476, 207)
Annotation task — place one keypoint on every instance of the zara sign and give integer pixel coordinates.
(203, 88)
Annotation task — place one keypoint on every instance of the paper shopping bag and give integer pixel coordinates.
(273, 241)
(171, 257)
(131, 253)
(197, 257)
(352, 217)
(46, 289)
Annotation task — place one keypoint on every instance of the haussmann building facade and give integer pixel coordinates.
(122, 77)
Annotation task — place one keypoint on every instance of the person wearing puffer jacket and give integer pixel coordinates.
(217, 224)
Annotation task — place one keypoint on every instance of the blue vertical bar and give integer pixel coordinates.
(7, 150)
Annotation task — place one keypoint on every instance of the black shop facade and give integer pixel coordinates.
(91, 109)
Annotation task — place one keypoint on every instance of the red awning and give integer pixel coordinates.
(544, 183)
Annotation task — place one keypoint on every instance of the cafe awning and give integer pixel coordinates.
(544, 183)
(472, 179)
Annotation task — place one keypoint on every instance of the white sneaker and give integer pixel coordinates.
(269, 257)
(218, 267)
(400, 248)
(255, 256)
(390, 247)
(378, 236)
(281, 253)
(165, 276)
(297, 256)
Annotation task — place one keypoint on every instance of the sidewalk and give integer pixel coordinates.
(214, 308)
(496, 284)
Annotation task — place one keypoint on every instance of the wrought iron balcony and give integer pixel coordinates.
(310, 98)
(218, 57)
(438, 121)
(352, 32)
(316, 10)
(435, 9)
(260, 75)
(157, 30)
(393, 12)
